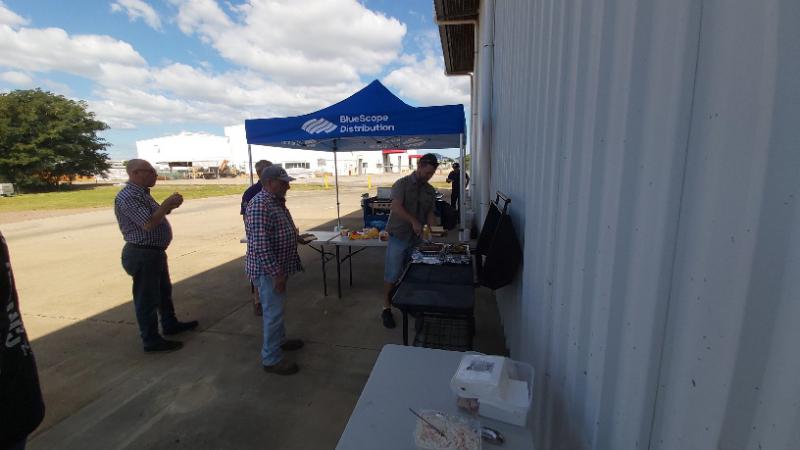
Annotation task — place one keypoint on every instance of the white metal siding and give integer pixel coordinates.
(652, 151)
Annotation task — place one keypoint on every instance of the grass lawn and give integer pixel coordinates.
(102, 196)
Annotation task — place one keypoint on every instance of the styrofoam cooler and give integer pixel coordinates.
(502, 386)
(480, 376)
(514, 406)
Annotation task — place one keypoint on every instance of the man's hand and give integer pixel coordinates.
(173, 201)
(170, 203)
(279, 284)
(417, 226)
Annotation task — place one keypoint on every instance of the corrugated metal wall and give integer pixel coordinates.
(652, 151)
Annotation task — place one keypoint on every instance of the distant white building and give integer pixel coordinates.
(208, 150)
(201, 149)
(116, 171)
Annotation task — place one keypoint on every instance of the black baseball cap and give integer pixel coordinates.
(429, 159)
(275, 173)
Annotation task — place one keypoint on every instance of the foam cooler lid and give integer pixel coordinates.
(480, 376)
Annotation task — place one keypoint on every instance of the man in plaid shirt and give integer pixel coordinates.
(147, 234)
(271, 257)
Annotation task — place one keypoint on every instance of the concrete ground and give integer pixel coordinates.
(103, 392)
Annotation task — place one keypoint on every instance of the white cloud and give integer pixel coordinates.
(291, 60)
(128, 108)
(322, 42)
(205, 14)
(246, 90)
(138, 9)
(52, 49)
(115, 74)
(424, 82)
(131, 108)
(16, 78)
(10, 18)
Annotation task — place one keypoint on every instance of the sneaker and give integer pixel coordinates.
(283, 367)
(388, 318)
(163, 346)
(180, 327)
(290, 345)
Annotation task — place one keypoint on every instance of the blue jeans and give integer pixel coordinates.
(272, 306)
(398, 252)
(152, 290)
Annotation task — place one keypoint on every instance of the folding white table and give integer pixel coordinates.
(418, 378)
(324, 238)
(335, 239)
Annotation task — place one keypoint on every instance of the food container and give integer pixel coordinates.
(460, 433)
(458, 249)
(502, 387)
(430, 248)
(513, 407)
(480, 376)
(384, 235)
(438, 231)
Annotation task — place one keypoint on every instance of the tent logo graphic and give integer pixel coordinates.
(316, 126)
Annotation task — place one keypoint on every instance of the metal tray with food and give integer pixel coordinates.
(430, 247)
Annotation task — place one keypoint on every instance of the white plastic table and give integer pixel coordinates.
(335, 239)
(324, 238)
(412, 377)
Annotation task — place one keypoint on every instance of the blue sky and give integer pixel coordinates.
(151, 68)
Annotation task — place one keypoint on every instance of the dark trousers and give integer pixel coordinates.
(454, 196)
(19, 445)
(152, 289)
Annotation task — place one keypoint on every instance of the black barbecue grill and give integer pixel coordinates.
(441, 297)
(376, 209)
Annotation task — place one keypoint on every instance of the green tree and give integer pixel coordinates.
(46, 137)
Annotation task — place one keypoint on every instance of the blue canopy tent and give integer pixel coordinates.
(371, 119)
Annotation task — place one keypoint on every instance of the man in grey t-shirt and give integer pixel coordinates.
(413, 200)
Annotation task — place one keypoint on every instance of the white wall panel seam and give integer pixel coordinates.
(677, 229)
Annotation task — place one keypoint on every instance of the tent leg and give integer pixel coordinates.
(250, 164)
(463, 227)
(336, 179)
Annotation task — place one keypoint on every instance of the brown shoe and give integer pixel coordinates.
(290, 345)
(283, 367)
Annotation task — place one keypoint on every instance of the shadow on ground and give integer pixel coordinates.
(102, 392)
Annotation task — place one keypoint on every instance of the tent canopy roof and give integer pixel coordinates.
(371, 119)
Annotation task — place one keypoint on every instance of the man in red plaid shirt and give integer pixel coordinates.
(271, 257)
